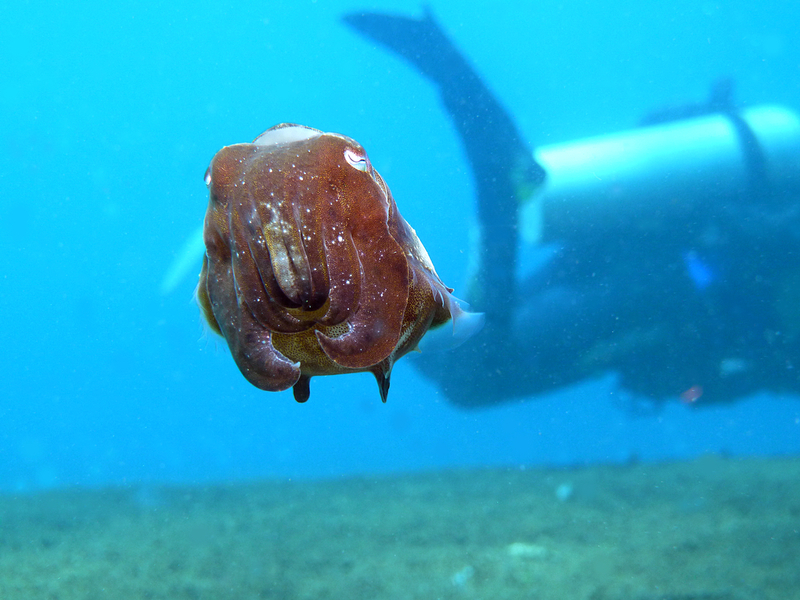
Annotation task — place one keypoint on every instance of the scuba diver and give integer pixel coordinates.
(693, 300)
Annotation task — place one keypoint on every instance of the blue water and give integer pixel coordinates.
(110, 114)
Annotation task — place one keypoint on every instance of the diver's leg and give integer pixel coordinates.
(501, 162)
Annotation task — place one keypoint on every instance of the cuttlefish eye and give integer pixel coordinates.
(356, 160)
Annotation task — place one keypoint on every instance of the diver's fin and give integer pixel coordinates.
(501, 161)
(187, 261)
(420, 41)
(483, 124)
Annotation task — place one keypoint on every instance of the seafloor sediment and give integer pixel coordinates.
(709, 529)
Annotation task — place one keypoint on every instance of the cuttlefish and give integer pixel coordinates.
(309, 267)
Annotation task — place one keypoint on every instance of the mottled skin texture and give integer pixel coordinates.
(309, 267)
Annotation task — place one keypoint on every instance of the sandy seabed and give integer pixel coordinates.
(709, 529)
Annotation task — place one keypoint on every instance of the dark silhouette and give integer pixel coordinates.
(702, 305)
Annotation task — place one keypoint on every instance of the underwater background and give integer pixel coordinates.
(110, 114)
